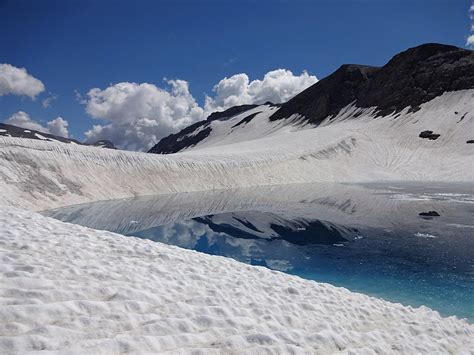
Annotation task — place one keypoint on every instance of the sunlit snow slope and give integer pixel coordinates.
(70, 289)
(40, 175)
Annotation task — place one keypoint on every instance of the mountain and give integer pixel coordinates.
(409, 80)
(7, 130)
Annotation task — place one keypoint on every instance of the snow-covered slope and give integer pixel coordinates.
(70, 289)
(40, 175)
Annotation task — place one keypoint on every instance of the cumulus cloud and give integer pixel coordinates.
(276, 86)
(57, 127)
(17, 81)
(140, 114)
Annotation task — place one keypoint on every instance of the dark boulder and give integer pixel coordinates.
(429, 214)
(429, 135)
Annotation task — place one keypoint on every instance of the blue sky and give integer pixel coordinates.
(79, 45)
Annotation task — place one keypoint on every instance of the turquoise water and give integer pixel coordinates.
(368, 240)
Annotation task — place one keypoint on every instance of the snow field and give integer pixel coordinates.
(70, 289)
(40, 175)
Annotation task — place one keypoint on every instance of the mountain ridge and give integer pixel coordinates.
(408, 80)
(8, 130)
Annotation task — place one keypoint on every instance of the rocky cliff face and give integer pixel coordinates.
(410, 79)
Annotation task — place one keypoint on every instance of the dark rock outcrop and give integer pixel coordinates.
(429, 135)
(409, 79)
(429, 214)
(246, 119)
(188, 136)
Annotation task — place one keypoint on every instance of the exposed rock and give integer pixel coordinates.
(429, 214)
(188, 136)
(409, 79)
(429, 134)
(246, 119)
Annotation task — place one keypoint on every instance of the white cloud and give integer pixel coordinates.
(277, 86)
(58, 126)
(47, 102)
(141, 114)
(470, 38)
(17, 81)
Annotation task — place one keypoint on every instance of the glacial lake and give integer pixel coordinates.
(410, 243)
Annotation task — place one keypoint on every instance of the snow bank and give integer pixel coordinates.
(40, 175)
(66, 288)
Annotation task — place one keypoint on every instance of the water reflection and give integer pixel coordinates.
(404, 242)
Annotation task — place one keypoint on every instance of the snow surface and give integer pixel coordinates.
(40, 175)
(70, 289)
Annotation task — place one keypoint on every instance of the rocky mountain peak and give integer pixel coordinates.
(409, 79)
